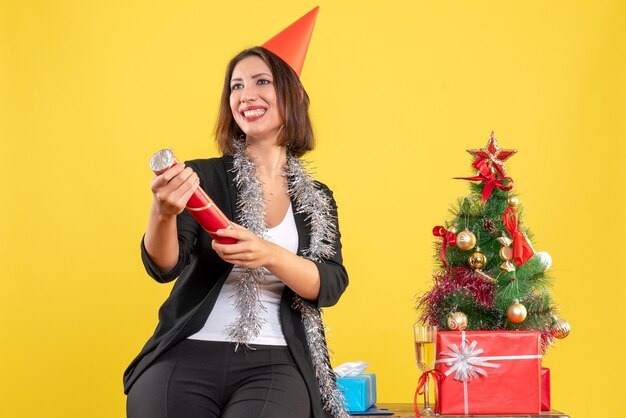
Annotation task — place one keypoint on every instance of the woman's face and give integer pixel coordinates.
(253, 99)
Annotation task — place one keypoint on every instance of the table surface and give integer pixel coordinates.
(405, 410)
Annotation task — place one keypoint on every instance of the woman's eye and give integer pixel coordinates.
(236, 86)
(262, 81)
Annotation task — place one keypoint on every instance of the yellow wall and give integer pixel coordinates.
(399, 89)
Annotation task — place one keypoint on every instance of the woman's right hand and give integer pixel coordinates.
(172, 189)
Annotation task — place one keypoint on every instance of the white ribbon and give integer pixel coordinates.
(465, 360)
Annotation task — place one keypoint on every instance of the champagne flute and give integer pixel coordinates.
(425, 337)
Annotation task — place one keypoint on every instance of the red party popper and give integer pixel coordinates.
(200, 205)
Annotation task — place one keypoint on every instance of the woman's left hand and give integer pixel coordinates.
(251, 251)
(299, 274)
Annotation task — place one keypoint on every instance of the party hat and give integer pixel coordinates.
(293, 42)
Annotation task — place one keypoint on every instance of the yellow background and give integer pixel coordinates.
(399, 90)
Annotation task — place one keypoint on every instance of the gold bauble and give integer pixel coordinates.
(506, 253)
(466, 240)
(453, 229)
(477, 260)
(516, 313)
(507, 266)
(504, 240)
(560, 329)
(457, 321)
(512, 201)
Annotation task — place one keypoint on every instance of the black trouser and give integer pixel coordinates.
(206, 379)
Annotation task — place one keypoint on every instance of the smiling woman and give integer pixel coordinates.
(291, 102)
(241, 333)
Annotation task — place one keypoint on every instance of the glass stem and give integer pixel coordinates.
(426, 395)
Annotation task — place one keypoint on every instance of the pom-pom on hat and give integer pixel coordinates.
(292, 43)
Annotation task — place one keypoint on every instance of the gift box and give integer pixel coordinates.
(545, 389)
(489, 372)
(359, 391)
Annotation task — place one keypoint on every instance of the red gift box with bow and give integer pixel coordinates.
(489, 372)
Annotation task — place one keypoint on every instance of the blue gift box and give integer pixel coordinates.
(359, 391)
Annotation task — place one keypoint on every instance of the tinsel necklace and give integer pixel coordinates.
(316, 205)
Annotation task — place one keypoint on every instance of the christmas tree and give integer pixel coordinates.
(488, 276)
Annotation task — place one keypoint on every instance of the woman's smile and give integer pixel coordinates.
(252, 113)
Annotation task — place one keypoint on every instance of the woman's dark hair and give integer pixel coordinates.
(292, 100)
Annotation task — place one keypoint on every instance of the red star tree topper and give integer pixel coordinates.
(491, 157)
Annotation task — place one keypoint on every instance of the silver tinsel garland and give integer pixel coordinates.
(318, 209)
(251, 210)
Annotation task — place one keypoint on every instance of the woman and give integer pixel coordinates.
(240, 334)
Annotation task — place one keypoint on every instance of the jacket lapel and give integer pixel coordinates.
(232, 187)
(304, 239)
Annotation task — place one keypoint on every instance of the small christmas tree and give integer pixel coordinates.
(488, 275)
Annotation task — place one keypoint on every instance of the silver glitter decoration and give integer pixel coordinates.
(316, 205)
(319, 214)
(251, 210)
(332, 399)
